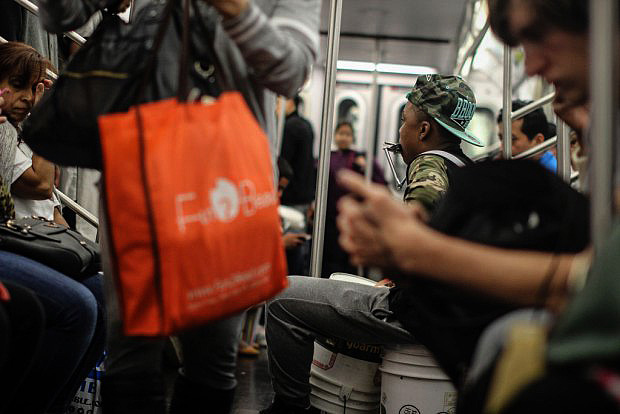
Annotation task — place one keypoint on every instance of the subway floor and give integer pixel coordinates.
(254, 390)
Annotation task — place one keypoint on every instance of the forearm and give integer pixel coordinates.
(517, 276)
(36, 183)
(44, 169)
(280, 49)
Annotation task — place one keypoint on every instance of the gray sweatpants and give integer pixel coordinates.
(327, 308)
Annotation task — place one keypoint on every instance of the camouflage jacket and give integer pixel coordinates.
(427, 180)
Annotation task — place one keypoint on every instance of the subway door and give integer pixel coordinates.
(353, 104)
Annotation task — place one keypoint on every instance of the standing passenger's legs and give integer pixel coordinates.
(133, 380)
(208, 377)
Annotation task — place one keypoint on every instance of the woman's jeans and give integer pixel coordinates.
(74, 333)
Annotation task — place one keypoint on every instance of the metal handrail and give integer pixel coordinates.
(563, 151)
(507, 103)
(531, 107)
(78, 209)
(537, 149)
(471, 52)
(34, 9)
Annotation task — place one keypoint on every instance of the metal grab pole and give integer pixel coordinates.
(507, 101)
(34, 9)
(563, 150)
(372, 115)
(603, 90)
(327, 121)
(531, 107)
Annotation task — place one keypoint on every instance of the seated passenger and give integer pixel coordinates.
(74, 329)
(434, 122)
(528, 132)
(32, 178)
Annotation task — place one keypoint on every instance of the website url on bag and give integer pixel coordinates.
(231, 286)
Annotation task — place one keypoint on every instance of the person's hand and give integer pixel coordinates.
(360, 161)
(123, 6)
(376, 229)
(310, 214)
(229, 8)
(385, 283)
(292, 240)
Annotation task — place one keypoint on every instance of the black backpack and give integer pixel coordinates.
(511, 204)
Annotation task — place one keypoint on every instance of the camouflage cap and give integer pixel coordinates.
(449, 101)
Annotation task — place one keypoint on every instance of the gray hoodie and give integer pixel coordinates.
(267, 51)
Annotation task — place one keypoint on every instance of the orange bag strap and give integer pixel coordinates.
(184, 64)
(183, 73)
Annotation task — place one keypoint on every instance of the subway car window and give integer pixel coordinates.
(482, 126)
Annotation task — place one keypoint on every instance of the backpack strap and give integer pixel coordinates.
(444, 154)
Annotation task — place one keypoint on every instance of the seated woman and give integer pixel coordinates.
(74, 330)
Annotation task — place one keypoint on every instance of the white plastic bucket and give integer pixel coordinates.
(345, 376)
(337, 379)
(413, 383)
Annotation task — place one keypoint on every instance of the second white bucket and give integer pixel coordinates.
(413, 383)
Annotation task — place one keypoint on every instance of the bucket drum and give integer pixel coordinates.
(413, 383)
(345, 376)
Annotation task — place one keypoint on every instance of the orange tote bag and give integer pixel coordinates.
(192, 213)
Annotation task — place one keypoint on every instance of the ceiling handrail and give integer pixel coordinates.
(78, 209)
(537, 149)
(34, 9)
(474, 47)
(531, 107)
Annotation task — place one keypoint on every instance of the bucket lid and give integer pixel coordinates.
(346, 277)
